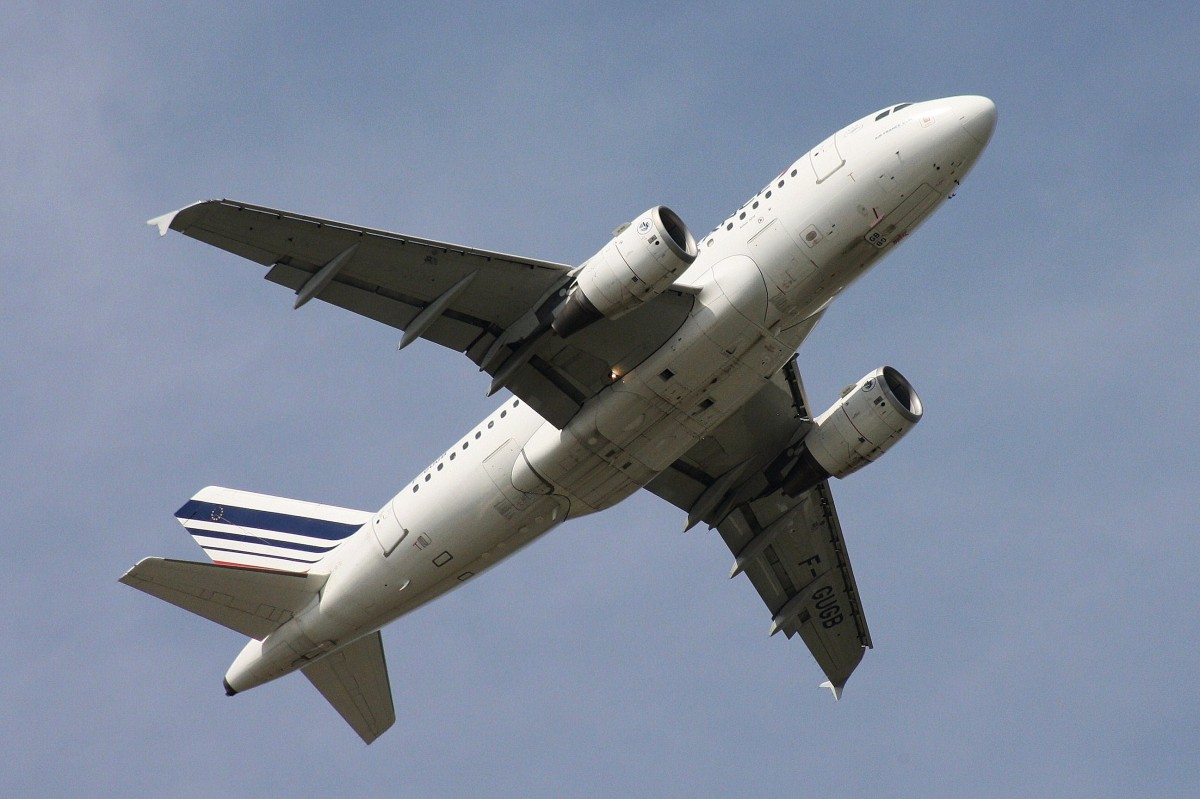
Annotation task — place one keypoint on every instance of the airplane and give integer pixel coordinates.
(662, 362)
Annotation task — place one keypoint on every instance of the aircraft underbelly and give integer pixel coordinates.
(652, 415)
(447, 545)
(477, 505)
(489, 496)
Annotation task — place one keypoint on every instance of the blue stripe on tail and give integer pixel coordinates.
(265, 520)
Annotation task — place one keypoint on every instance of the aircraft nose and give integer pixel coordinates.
(977, 115)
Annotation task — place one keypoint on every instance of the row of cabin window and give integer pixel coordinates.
(742, 215)
(478, 433)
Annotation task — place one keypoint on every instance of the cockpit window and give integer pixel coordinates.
(902, 105)
(882, 115)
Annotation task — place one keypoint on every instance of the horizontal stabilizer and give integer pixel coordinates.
(250, 601)
(241, 528)
(355, 681)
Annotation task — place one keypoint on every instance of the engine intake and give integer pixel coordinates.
(868, 419)
(639, 263)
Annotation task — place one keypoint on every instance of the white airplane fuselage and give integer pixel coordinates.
(761, 279)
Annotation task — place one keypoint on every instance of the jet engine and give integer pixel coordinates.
(868, 419)
(640, 262)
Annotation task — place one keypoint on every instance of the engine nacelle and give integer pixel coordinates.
(868, 419)
(642, 260)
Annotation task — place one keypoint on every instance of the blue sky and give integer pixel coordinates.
(1027, 557)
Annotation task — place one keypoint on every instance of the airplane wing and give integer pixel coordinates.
(791, 548)
(491, 306)
(354, 679)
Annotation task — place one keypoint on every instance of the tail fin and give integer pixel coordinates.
(249, 601)
(240, 528)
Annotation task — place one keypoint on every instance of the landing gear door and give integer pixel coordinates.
(826, 159)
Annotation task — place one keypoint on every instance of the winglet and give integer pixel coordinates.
(163, 223)
(836, 689)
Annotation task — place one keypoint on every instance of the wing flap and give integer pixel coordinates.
(455, 330)
(250, 601)
(354, 679)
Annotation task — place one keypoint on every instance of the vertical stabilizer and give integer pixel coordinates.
(240, 528)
